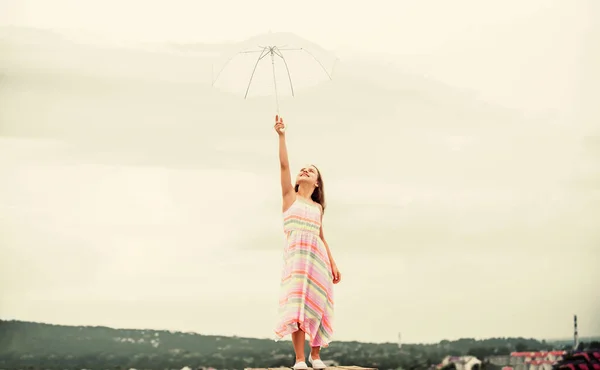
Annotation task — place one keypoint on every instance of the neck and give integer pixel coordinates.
(305, 191)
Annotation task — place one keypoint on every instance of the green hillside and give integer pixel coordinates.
(44, 346)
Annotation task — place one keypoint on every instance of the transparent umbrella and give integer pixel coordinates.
(279, 64)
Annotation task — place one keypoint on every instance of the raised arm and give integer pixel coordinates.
(287, 189)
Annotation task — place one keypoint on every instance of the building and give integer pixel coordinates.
(461, 362)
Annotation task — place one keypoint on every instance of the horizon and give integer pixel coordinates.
(563, 339)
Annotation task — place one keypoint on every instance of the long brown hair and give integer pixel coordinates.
(318, 194)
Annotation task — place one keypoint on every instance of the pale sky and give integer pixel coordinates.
(456, 41)
(458, 144)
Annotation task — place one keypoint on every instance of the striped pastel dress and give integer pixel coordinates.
(306, 295)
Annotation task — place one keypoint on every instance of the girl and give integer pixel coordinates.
(309, 272)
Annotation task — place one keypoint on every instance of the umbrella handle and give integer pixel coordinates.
(283, 128)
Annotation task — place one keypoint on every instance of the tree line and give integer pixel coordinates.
(28, 345)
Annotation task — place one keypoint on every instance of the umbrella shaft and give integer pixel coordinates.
(275, 81)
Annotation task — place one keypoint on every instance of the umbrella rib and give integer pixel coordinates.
(222, 68)
(309, 53)
(318, 61)
(262, 55)
(229, 60)
(252, 51)
(279, 54)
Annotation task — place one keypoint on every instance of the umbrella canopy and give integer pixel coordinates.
(279, 64)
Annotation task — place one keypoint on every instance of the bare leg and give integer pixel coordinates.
(315, 353)
(298, 338)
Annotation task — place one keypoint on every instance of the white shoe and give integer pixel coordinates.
(317, 364)
(300, 366)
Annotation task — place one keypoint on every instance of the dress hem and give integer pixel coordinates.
(292, 327)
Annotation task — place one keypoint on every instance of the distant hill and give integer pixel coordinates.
(25, 344)
(569, 341)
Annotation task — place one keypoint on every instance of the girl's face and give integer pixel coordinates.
(308, 175)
